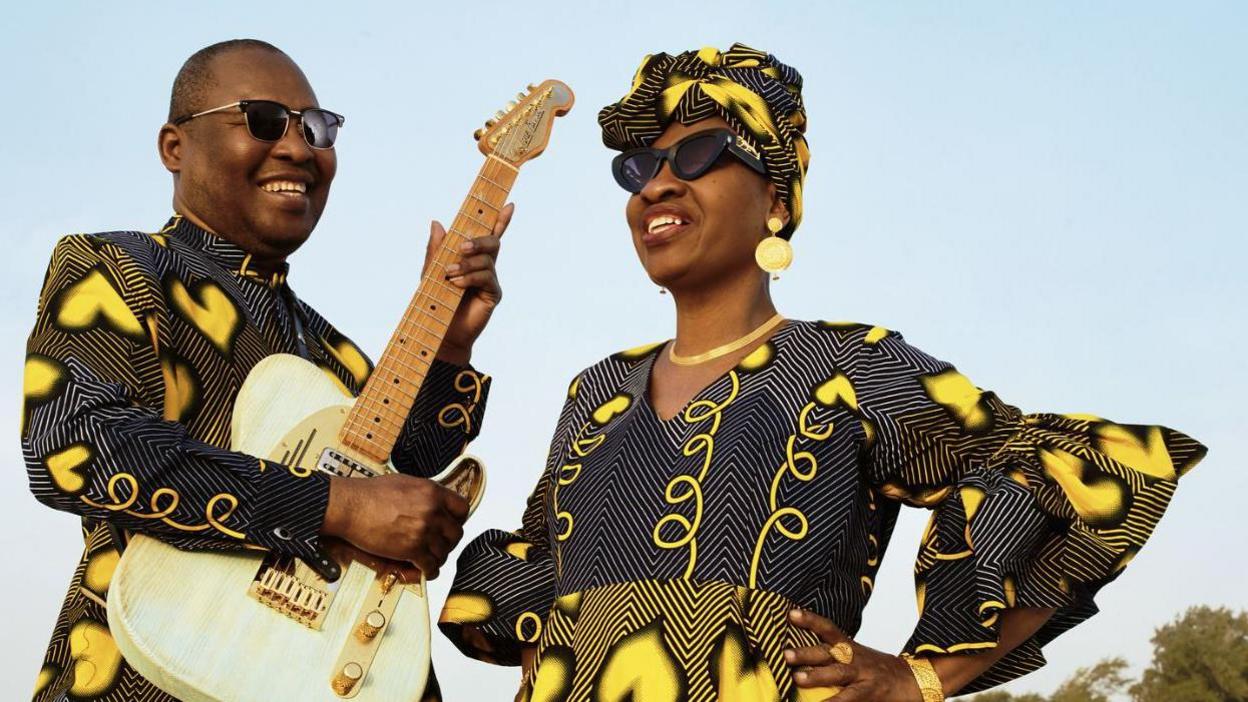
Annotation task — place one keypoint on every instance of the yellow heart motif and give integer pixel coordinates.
(467, 608)
(42, 380)
(96, 658)
(208, 309)
(1099, 498)
(64, 466)
(181, 388)
(84, 304)
(758, 358)
(837, 390)
(742, 677)
(956, 393)
(100, 567)
(640, 667)
(349, 356)
(1140, 448)
(611, 409)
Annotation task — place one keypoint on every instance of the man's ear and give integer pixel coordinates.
(169, 145)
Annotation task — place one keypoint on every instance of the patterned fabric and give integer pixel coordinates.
(139, 348)
(678, 545)
(759, 97)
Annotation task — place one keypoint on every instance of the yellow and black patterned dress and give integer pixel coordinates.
(140, 346)
(657, 559)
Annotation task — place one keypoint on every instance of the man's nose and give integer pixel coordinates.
(292, 146)
(663, 185)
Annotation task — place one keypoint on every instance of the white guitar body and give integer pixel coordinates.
(187, 621)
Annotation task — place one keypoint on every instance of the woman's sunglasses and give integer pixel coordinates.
(689, 158)
(268, 121)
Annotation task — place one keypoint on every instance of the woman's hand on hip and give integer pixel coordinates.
(848, 671)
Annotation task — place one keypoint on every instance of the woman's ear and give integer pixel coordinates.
(778, 206)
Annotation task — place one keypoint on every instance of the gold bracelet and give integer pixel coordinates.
(925, 675)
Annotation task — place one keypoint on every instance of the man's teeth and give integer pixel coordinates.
(663, 221)
(280, 186)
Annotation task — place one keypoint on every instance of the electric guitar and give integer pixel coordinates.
(253, 626)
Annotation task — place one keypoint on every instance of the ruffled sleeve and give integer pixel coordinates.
(1029, 510)
(505, 581)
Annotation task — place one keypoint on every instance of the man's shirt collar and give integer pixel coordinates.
(222, 251)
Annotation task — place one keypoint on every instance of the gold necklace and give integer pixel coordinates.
(726, 348)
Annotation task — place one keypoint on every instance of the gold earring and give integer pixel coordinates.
(773, 254)
(662, 291)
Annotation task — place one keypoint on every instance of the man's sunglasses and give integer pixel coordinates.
(689, 158)
(268, 121)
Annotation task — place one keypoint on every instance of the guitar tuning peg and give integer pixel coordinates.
(477, 134)
(490, 123)
(520, 96)
(531, 87)
(499, 115)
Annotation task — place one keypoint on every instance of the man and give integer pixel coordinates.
(142, 341)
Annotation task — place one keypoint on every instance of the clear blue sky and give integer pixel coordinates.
(1049, 195)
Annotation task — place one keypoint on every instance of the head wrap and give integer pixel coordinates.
(759, 97)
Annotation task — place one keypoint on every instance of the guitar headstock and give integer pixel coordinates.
(521, 131)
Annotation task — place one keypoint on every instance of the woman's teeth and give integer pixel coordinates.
(662, 223)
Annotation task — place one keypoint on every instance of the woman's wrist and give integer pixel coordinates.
(926, 679)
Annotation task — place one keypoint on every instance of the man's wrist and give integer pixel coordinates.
(338, 510)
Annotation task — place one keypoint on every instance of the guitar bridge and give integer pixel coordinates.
(292, 588)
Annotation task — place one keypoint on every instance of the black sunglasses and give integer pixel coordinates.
(268, 120)
(689, 158)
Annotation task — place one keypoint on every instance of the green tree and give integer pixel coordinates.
(1100, 683)
(1202, 656)
(1096, 684)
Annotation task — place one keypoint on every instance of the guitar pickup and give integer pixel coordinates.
(337, 463)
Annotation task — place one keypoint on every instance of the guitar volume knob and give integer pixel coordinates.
(371, 626)
(347, 679)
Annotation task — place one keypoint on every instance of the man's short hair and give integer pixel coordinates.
(195, 77)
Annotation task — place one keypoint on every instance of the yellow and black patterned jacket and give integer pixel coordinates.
(140, 346)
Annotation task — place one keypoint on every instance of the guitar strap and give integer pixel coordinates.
(301, 341)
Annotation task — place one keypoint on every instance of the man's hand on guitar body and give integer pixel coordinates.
(397, 516)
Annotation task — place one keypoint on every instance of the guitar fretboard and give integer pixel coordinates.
(374, 424)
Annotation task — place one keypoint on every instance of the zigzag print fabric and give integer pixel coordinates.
(657, 558)
(139, 348)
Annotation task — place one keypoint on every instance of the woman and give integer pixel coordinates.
(714, 508)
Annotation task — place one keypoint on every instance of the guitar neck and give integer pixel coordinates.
(374, 424)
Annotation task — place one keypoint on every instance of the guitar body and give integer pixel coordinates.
(188, 622)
